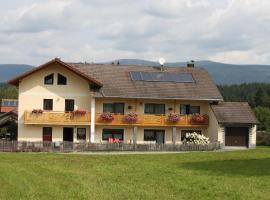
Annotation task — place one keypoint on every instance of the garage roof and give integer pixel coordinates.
(234, 113)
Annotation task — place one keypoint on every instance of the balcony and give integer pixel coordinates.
(56, 118)
(152, 120)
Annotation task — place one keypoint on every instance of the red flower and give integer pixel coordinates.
(173, 117)
(37, 111)
(80, 112)
(106, 116)
(198, 118)
(131, 117)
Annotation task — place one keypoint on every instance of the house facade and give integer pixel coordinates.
(99, 103)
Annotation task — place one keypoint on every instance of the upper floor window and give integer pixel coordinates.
(47, 104)
(188, 109)
(152, 108)
(114, 107)
(61, 80)
(48, 80)
(69, 105)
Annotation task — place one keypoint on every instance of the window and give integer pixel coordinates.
(81, 133)
(61, 80)
(184, 132)
(151, 108)
(188, 109)
(154, 135)
(114, 107)
(48, 80)
(149, 135)
(69, 105)
(194, 109)
(47, 104)
(9, 103)
(113, 133)
(47, 134)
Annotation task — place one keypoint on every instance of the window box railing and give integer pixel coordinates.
(152, 120)
(57, 118)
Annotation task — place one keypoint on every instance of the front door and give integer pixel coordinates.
(68, 134)
(160, 136)
(69, 105)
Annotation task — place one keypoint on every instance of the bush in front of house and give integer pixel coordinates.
(195, 138)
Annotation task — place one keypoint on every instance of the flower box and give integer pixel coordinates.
(198, 118)
(80, 112)
(106, 116)
(173, 117)
(131, 117)
(37, 111)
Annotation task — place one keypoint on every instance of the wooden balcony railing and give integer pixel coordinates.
(151, 120)
(56, 118)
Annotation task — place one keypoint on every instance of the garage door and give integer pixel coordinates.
(236, 136)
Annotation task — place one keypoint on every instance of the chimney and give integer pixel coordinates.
(191, 64)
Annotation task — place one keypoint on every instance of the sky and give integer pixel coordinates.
(229, 31)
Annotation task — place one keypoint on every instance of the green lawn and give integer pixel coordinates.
(198, 175)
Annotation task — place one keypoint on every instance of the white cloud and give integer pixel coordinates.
(33, 31)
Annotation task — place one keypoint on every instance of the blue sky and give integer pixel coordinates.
(231, 31)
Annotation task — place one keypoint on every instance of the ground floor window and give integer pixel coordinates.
(108, 134)
(47, 134)
(154, 135)
(184, 132)
(81, 133)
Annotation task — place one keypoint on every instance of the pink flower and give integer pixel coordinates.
(173, 117)
(106, 116)
(131, 117)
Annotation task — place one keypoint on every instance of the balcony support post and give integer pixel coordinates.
(134, 134)
(174, 135)
(92, 123)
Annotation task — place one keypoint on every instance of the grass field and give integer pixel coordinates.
(198, 175)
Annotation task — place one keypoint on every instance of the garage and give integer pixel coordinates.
(236, 124)
(236, 136)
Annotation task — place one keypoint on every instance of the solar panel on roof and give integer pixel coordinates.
(136, 76)
(146, 76)
(162, 77)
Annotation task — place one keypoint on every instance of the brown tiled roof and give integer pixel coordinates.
(117, 82)
(234, 112)
(8, 116)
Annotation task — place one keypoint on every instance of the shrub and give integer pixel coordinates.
(173, 117)
(106, 116)
(195, 138)
(131, 117)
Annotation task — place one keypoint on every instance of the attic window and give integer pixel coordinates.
(48, 80)
(61, 80)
